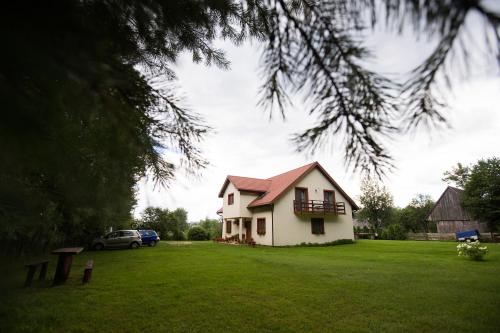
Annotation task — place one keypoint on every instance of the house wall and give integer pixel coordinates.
(263, 212)
(241, 201)
(292, 229)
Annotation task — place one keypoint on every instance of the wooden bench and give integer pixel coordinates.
(32, 267)
(87, 273)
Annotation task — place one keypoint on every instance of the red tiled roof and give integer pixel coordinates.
(272, 188)
(246, 184)
(280, 183)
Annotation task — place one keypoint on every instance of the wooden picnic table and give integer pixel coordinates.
(64, 263)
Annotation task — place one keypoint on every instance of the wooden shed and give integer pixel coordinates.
(450, 216)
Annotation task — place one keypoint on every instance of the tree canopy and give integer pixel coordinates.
(170, 225)
(481, 196)
(376, 202)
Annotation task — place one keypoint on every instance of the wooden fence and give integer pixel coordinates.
(439, 236)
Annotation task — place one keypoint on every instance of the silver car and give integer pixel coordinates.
(119, 238)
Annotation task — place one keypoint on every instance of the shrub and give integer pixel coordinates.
(394, 231)
(333, 243)
(198, 234)
(472, 250)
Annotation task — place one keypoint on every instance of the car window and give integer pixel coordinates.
(111, 235)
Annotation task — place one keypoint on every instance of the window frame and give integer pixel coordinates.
(305, 189)
(321, 230)
(229, 227)
(261, 226)
(333, 203)
(230, 199)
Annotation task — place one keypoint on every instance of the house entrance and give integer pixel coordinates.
(248, 228)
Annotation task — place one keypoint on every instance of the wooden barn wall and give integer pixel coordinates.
(456, 226)
(448, 207)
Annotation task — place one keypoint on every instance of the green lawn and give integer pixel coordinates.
(370, 286)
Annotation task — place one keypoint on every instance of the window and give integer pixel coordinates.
(300, 194)
(230, 198)
(329, 200)
(317, 226)
(329, 196)
(261, 226)
(301, 198)
(228, 227)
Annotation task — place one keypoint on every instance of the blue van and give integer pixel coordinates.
(149, 237)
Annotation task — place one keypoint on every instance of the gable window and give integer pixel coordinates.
(261, 226)
(228, 227)
(318, 226)
(230, 198)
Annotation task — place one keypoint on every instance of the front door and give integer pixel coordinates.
(248, 228)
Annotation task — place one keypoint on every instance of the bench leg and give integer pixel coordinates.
(87, 275)
(29, 277)
(43, 271)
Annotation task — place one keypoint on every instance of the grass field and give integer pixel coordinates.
(370, 286)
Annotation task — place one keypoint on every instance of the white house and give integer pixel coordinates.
(301, 205)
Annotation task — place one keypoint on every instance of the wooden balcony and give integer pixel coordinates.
(318, 207)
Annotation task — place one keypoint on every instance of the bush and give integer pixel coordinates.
(472, 250)
(198, 234)
(394, 232)
(333, 243)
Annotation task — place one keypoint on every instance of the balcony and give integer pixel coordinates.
(318, 207)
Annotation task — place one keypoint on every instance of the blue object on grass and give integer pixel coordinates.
(467, 235)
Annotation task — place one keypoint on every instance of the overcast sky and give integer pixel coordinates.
(246, 143)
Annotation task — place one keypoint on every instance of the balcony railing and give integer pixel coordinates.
(318, 207)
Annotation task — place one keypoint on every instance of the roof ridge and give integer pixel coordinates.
(289, 171)
(247, 177)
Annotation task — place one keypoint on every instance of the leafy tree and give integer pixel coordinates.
(394, 232)
(171, 225)
(481, 197)
(414, 216)
(213, 227)
(377, 203)
(197, 233)
(458, 175)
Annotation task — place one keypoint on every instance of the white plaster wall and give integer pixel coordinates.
(244, 200)
(231, 211)
(291, 229)
(234, 229)
(267, 238)
(239, 207)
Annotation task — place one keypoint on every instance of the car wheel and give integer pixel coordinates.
(134, 245)
(98, 247)
(153, 243)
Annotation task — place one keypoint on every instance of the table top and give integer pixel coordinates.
(68, 250)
